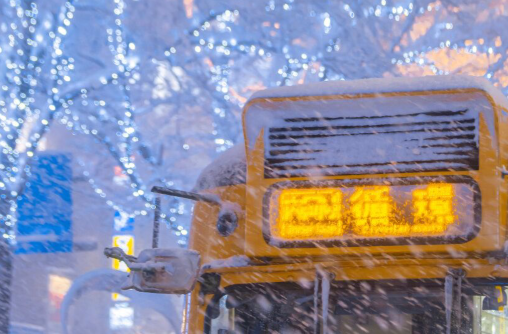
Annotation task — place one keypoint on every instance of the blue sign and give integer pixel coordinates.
(45, 208)
(123, 222)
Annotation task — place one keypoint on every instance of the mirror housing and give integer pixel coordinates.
(164, 270)
(160, 270)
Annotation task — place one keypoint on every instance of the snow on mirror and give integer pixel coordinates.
(172, 271)
(158, 270)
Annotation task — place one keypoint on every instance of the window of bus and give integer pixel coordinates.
(408, 307)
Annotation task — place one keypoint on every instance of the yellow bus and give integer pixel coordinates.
(369, 206)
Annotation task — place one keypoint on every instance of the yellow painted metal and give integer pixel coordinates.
(493, 224)
(358, 263)
(343, 270)
(204, 236)
(248, 238)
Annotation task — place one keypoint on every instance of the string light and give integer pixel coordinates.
(286, 43)
(24, 75)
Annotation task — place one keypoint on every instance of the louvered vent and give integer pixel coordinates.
(415, 142)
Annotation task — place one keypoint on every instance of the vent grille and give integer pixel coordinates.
(425, 141)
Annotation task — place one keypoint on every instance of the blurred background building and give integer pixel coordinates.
(59, 240)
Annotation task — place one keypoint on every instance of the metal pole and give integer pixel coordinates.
(317, 283)
(156, 219)
(187, 194)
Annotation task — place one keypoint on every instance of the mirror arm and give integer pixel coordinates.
(227, 220)
(211, 199)
(118, 254)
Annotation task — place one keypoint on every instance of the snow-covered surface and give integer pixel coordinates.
(355, 144)
(332, 136)
(228, 169)
(232, 262)
(97, 280)
(175, 271)
(385, 85)
(109, 280)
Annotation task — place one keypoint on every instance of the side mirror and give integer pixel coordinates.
(171, 270)
(159, 270)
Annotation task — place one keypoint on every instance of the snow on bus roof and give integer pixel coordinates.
(385, 85)
(230, 167)
(227, 170)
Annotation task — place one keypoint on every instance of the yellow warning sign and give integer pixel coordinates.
(126, 243)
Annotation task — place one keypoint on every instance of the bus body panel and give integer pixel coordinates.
(484, 256)
(492, 229)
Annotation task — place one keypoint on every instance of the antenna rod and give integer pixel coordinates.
(156, 219)
(186, 194)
